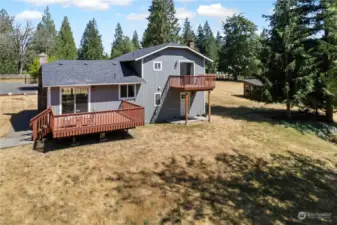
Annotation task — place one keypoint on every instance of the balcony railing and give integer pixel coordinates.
(193, 82)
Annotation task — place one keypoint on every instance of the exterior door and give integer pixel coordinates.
(183, 104)
(186, 68)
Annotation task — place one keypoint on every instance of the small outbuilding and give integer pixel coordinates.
(252, 88)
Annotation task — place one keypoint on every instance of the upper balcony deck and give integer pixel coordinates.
(193, 82)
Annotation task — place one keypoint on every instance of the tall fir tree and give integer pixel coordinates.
(290, 69)
(91, 44)
(187, 34)
(239, 53)
(121, 43)
(135, 40)
(320, 18)
(163, 25)
(45, 36)
(219, 40)
(65, 44)
(200, 39)
(210, 48)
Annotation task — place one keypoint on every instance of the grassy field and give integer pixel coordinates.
(244, 167)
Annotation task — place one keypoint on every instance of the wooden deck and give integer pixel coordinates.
(193, 82)
(128, 116)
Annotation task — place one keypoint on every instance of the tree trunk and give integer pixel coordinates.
(21, 67)
(329, 109)
(288, 113)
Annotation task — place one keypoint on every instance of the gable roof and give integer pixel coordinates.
(144, 52)
(87, 72)
(255, 82)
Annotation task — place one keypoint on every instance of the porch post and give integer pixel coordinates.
(48, 97)
(186, 107)
(209, 106)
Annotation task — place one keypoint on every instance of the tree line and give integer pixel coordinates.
(295, 57)
(23, 43)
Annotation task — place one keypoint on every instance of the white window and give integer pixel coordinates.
(157, 98)
(127, 91)
(157, 66)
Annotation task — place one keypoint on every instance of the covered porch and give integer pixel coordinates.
(191, 83)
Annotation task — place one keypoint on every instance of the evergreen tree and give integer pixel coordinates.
(218, 40)
(45, 37)
(135, 40)
(210, 48)
(188, 34)
(121, 43)
(239, 53)
(65, 44)
(320, 19)
(163, 26)
(290, 72)
(8, 62)
(91, 44)
(200, 39)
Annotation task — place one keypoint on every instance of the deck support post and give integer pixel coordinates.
(209, 106)
(102, 137)
(186, 107)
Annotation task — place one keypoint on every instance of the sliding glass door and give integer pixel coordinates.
(74, 100)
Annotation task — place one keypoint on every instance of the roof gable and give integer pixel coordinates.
(145, 52)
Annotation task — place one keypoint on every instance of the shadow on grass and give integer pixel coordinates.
(20, 120)
(238, 189)
(303, 122)
(84, 140)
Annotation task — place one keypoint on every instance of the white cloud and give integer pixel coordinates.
(137, 16)
(185, 1)
(182, 13)
(83, 4)
(29, 15)
(216, 10)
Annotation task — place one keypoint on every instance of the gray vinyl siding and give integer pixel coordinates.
(157, 80)
(104, 98)
(55, 99)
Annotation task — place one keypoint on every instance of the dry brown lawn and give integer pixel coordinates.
(242, 168)
(10, 105)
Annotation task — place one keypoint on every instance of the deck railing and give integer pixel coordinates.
(193, 82)
(41, 123)
(129, 115)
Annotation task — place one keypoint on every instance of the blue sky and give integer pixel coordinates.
(132, 13)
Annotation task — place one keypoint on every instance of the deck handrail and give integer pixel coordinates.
(41, 123)
(194, 82)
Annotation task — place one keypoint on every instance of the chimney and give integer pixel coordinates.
(190, 44)
(43, 59)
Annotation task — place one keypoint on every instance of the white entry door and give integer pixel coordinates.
(182, 103)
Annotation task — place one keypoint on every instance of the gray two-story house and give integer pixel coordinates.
(156, 84)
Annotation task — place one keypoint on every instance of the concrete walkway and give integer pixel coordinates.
(17, 89)
(20, 133)
(13, 142)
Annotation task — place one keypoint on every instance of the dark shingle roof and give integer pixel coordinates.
(255, 82)
(145, 51)
(86, 72)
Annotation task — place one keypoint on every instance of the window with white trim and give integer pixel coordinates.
(157, 98)
(127, 91)
(157, 66)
